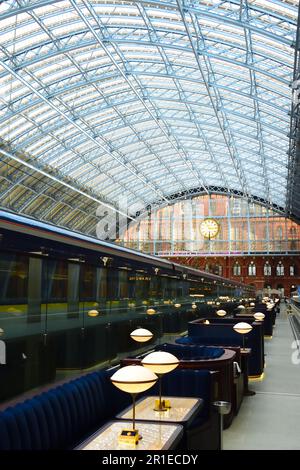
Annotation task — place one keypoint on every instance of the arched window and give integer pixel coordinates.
(279, 233)
(236, 269)
(267, 269)
(293, 238)
(280, 269)
(279, 238)
(292, 270)
(252, 269)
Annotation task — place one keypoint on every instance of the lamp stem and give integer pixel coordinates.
(160, 387)
(133, 410)
(244, 342)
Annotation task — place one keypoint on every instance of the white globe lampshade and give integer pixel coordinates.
(221, 313)
(252, 304)
(241, 307)
(160, 362)
(134, 379)
(242, 328)
(150, 311)
(177, 305)
(194, 306)
(206, 322)
(1, 331)
(141, 335)
(259, 316)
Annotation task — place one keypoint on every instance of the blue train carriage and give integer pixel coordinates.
(68, 301)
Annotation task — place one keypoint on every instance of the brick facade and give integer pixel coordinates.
(260, 280)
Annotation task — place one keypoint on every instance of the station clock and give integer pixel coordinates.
(209, 228)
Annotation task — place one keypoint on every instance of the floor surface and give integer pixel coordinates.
(271, 418)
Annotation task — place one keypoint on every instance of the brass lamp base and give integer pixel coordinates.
(129, 436)
(164, 406)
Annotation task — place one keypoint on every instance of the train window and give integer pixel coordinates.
(101, 283)
(55, 281)
(13, 278)
(113, 292)
(123, 281)
(141, 284)
(88, 282)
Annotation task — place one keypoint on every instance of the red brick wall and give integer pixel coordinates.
(259, 280)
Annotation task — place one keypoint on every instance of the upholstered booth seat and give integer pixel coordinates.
(61, 417)
(224, 335)
(268, 321)
(193, 357)
(192, 352)
(64, 416)
(203, 433)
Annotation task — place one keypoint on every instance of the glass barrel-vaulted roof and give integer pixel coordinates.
(143, 100)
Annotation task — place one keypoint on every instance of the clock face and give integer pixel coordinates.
(209, 228)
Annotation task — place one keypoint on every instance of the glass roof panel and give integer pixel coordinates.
(155, 99)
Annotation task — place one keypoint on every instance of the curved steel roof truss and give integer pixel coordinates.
(145, 101)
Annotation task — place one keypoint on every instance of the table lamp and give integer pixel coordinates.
(259, 316)
(141, 335)
(241, 307)
(194, 306)
(93, 313)
(133, 380)
(221, 313)
(150, 311)
(242, 328)
(160, 362)
(177, 305)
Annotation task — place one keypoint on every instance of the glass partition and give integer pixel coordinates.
(60, 317)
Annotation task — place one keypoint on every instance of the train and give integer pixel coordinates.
(69, 301)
